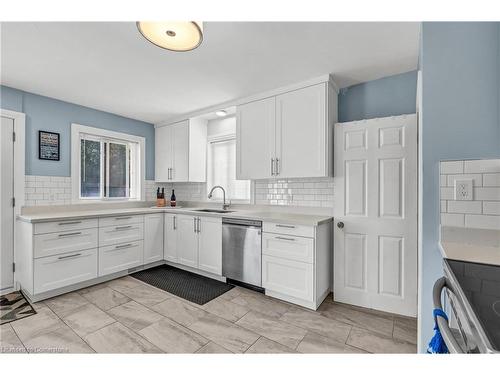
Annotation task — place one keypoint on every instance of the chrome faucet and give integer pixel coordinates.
(225, 205)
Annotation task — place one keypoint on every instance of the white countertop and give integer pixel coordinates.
(471, 245)
(282, 217)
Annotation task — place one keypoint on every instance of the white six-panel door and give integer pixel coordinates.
(375, 254)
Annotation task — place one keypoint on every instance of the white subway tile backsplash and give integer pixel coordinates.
(491, 179)
(491, 208)
(482, 221)
(487, 194)
(447, 193)
(450, 167)
(444, 205)
(476, 178)
(465, 207)
(482, 166)
(453, 220)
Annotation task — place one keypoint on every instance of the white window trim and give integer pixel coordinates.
(76, 130)
(222, 138)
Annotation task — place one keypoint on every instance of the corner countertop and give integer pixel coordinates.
(471, 245)
(281, 217)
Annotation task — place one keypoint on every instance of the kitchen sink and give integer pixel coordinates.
(214, 211)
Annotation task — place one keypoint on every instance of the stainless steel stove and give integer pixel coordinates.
(473, 304)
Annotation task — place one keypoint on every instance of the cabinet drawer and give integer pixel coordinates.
(120, 257)
(295, 279)
(120, 234)
(120, 220)
(291, 229)
(288, 247)
(66, 225)
(64, 242)
(62, 270)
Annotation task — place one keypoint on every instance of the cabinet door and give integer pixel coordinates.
(255, 139)
(170, 241)
(163, 153)
(288, 277)
(153, 238)
(301, 132)
(180, 138)
(187, 240)
(210, 245)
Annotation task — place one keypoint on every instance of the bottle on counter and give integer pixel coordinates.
(160, 198)
(172, 199)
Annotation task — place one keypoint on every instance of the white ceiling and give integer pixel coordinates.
(109, 66)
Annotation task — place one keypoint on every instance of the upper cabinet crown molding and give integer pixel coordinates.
(325, 78)
(287, 135)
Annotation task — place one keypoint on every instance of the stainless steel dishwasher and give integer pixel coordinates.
(242, 251)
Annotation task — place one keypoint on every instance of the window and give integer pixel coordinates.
(221, 169)
(106, 165)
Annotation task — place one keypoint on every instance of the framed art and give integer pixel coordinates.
(48, 146)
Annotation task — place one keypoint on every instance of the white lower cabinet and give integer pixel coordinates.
(194, 241)
(187, 240)
(288, 277)
(210, 244)
(153, 238)
(120, 257)
(58, 271)
(170, 238)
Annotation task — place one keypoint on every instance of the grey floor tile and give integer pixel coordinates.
(314, 343)
(134, 315)
(105, 298)
(147, 295)
(405, 329)
(233, 293)
(265, 346)
(213, 348)
(171, 337)
(9, 342)
(224, 333)
(88, 319)
(65, 304)
(60, 340)
(315, 322)
(124, 284)
(225, 309)
(276, 330)
(376, 343)
(261, 303)
(116, 338)
(363, 319)
(179, 311)
(43, 322)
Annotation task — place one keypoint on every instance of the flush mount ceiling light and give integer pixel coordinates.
(174, 36)
(221, 113)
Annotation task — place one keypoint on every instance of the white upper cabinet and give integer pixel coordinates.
(255, 139)
(287, 135)
(180, 150)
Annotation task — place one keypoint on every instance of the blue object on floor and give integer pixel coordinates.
(437, 344)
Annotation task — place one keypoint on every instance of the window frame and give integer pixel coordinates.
(77, 131)
(223, 138)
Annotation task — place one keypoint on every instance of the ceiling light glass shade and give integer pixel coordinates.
(221, 113)
(174, 36)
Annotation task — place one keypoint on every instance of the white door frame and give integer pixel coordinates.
(19, 167)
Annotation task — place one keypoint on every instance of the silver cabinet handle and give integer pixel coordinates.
(70, 234)
(194, 224)
(284, 238)
(171, 173)
(70, 222)
(199, 225)
(272, 166)
(277, 166)
(285, 226)
(123, 246)
(70, 256)
(123, 227)
(123, 217)
(174, 222)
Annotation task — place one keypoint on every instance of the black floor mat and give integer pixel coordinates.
(195, 288)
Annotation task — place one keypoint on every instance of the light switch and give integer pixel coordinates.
(463, 190)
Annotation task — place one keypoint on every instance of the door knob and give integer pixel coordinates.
(340, 225)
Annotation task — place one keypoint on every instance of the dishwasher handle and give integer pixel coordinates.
(241, 223)
(449, 339)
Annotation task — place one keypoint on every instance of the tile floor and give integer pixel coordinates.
(128, 316)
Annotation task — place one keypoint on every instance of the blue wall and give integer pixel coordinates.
(460, 120)
(43, 113)
(389, 96)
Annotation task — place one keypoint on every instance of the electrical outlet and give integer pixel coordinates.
(463, 190)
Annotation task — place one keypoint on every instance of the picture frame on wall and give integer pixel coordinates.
(48, 145)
